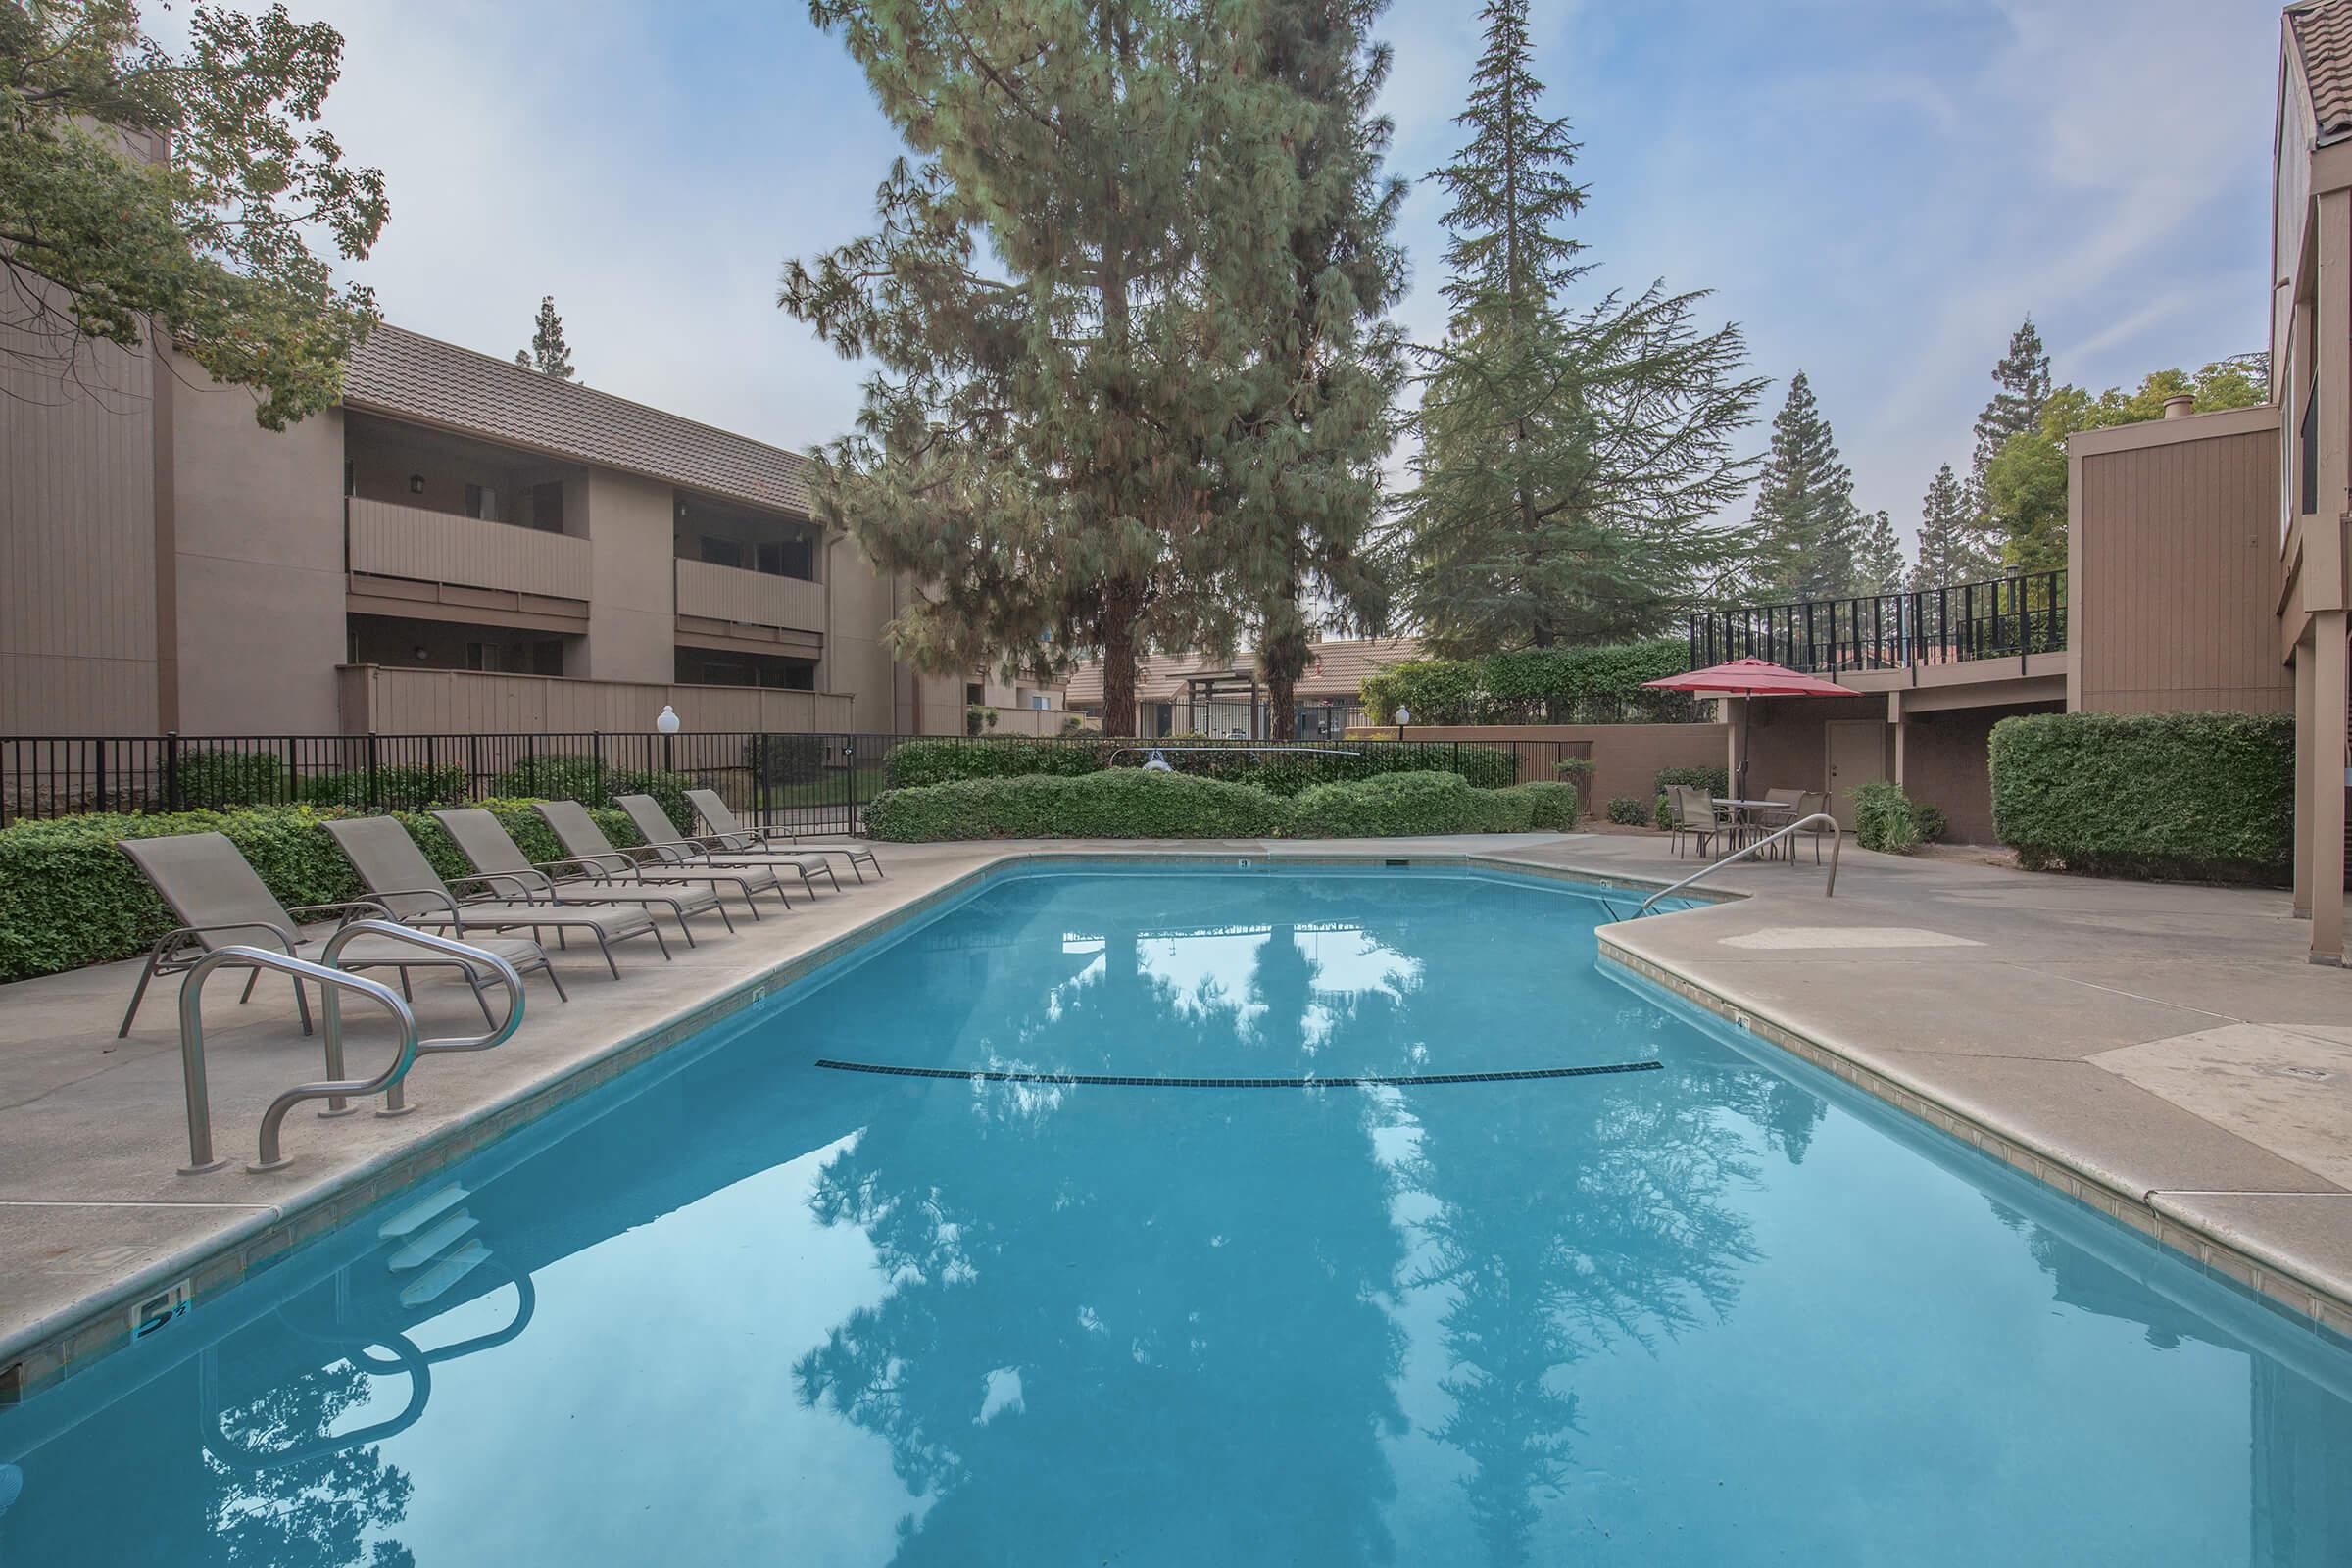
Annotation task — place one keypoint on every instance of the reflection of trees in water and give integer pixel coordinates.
(1205, 1372)
(312, 1512)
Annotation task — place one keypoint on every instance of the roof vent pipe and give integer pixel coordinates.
(2180, 404)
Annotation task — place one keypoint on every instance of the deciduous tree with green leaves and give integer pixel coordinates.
(1571, 461)
(147, 194)
(1067, 280)
(549, 354)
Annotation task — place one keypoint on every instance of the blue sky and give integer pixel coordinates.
(1876, 192)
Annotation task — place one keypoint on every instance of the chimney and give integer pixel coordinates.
(2180, 405)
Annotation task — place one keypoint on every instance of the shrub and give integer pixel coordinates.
(69, 898)
(1122, 804)
(573, 777)
(784, 758)
(216, 778)
(2197, 795)
(1575, 768)
(1714, 780)
(916, 764)
(1537, 805)
(1884, 820)
(1533, 685)
(1626, 812)
(412, 789)
(1933, 825)
(1393, 805)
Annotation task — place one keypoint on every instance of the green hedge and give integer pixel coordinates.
(413, 788)
(1626, 812)
(1885, 818)
(69, 898)
(2157, 795)
(1120, 804)
(571, 777)
(916, 764)
(1535, 685)
(1127, 802)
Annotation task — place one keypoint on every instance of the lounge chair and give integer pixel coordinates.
(728, 832)
(403, 881)
(222, 902)
(586, 843)
(661, 833)
(505, 870)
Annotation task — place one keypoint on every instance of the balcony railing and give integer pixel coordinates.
(2003, 617)
(750, 598)
(387, 540)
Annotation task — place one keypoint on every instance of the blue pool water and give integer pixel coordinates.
(738, 1309)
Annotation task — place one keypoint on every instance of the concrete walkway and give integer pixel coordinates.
(2161, 1052)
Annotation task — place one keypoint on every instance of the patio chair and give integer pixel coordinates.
(1783, 811)
(222, 902)
(1694, 817)
(403, 881)
(1809, 802)
(728, 832)
(679, 850)
(586, 843)
(505, 869)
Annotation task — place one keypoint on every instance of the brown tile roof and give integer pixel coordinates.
(1334, 669)
(412, 377)
(2323, 34)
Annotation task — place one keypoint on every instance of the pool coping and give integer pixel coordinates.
(55, 1347)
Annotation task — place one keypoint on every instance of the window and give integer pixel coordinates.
(481, 501)
(974, 694)
(547, 507)
(721, 552)
(1037, 701)
(795, 557)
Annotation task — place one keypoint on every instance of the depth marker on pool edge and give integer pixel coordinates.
(1405, 1081)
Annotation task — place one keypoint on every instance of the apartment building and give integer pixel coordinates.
(460, 544)
(1191, 693)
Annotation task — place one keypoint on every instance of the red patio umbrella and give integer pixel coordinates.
(1749, 677)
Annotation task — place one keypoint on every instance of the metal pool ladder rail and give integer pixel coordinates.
(331, 982)
(1837, 843)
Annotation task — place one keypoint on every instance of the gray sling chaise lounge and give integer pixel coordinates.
(222, 902)
(585, 842)
(506, 872)
(403, 881)
(728, 834)
(679, 850)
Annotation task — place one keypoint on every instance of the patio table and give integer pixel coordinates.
(1754, 815)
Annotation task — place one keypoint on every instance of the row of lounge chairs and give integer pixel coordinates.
(506, 905)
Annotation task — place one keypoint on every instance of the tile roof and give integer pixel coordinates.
(2323, 36)
(412, 377)
(1334, 669)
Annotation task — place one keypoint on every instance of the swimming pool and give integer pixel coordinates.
(739, 1309)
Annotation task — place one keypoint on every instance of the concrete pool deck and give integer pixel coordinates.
(2161, 1053)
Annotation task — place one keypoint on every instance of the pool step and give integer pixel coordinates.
(432, 1284)
(421, 1212)
(433, 1242)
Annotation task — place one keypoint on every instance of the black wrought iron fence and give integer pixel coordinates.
(814, 783)
(2001, 617)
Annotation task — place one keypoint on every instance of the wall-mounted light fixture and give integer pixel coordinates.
(418, 652)
(415, 484)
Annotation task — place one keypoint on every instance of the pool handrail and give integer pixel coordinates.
(1837, 843)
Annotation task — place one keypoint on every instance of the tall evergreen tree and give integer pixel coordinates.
(1806, 529)
(1878, 557)
(1304, 481)
(1949, 551)
(1061, 297)
(2023, 382)
(548, 354)
(1571, 461)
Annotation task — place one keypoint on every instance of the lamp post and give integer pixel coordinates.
(1404, 717)
(667, 721)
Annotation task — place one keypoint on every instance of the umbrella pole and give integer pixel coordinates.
(1748, 719)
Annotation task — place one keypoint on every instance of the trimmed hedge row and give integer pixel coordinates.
(916, 764)
(1129, 804)
(69, 898)
(2154, 795)
(1531, 685)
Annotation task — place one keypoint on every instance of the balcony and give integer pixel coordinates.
(750, 598)
(403, 701)
(2000, 619)
(387, 540)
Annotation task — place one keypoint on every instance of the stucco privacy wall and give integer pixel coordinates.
(1944, 765)
(1625, 757)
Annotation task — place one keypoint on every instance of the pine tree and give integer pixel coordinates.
(1062, 298)
(1572, 462)
(548, 354)
(1949, 551)
(1303, 470)
(1878, 557)
(1806, 529)
(2022, 377)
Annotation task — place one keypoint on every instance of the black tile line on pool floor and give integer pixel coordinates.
(1405, 1081)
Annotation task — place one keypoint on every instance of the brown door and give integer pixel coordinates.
(1857, 748)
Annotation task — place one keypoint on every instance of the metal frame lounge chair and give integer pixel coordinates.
(661, 833)
(728, 832)
(586, 843)
(404, 882)
(222, 902)
(503, 868)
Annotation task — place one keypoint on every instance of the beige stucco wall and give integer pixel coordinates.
(632, 624)
(257, 527)
(77, 565)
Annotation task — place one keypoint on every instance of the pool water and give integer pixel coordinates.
(736, 1309)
